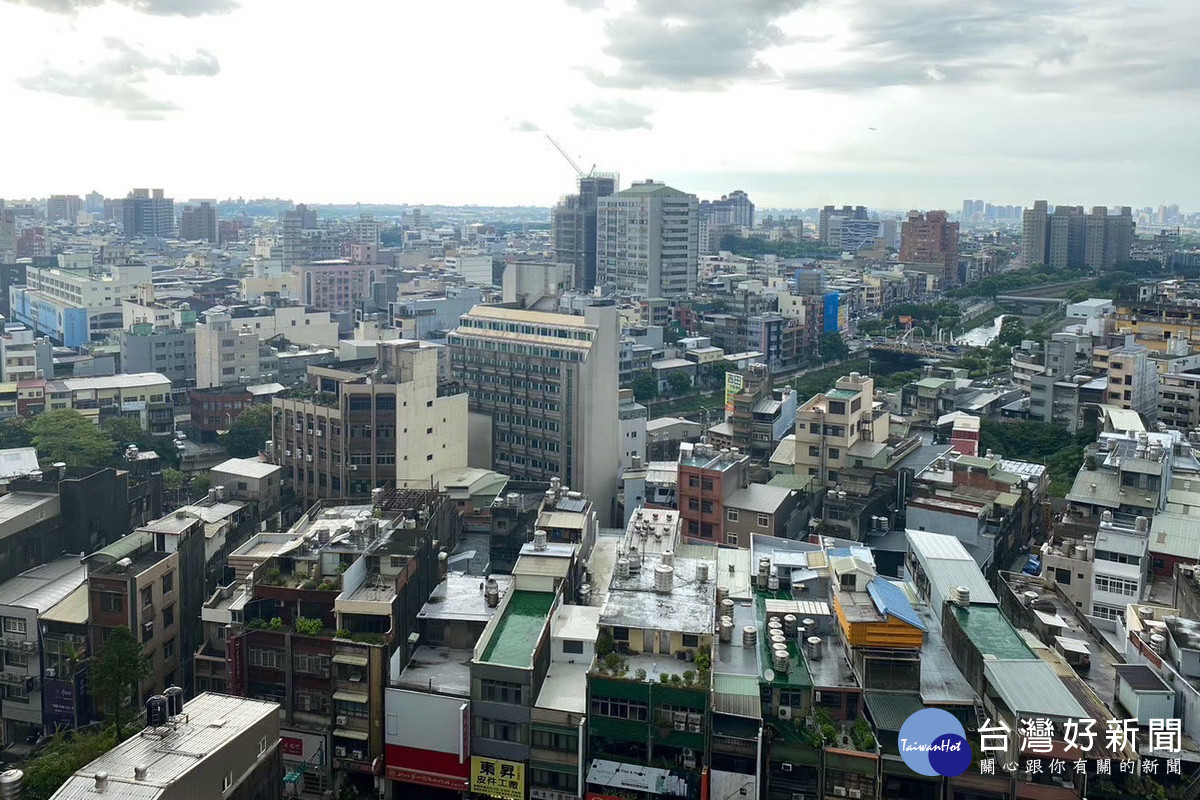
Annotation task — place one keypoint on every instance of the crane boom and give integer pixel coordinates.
(563, 153)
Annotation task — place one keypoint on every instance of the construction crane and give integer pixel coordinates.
(570, 160)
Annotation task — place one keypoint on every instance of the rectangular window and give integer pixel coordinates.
(169, 649)
(572, 646)
(501, 730)
(311, 663)
(14, 625)
(691, 640)
(168, 583)
(147, 596)
(13, 658)
(168, 617)
(549, 740)
(619, 708)
(266, 658)
(501, 692)
(731, 514)
(764, 521)
(731, 538)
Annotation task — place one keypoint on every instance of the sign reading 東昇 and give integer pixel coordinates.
(498, 778)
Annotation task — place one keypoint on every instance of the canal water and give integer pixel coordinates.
(984, 334)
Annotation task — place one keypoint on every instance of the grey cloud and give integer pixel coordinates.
(525, 126)
(1028, 44)
(612, 115)
(699, 44)
(114, 82)
(162, 8)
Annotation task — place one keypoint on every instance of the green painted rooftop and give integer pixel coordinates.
(514, 639)
(991, 633)
(798, 675)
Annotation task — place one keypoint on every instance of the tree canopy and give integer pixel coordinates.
(249, 432)
(1039, 442)
(61, 757)
(645, 387)
(832, 348)
(115, 674)
(14, 432)
(66, 435)
(679, 382)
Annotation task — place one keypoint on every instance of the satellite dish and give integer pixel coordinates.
(769, 674)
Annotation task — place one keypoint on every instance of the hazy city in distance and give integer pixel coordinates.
(599, 400)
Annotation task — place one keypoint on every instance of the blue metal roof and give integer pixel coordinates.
(891, 601)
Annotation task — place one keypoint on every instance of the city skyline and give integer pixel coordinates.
(797, 103)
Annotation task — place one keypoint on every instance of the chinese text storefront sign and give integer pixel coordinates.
(495, 777)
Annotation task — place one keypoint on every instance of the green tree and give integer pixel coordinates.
(715, 371)
(59, 758)
(645, 386)
(308, 626)
(125, 431)
(249, 432)
(115, 674)
(14, 432)
(200, 484)
(832, 348)
(65, 435)
(679, 382)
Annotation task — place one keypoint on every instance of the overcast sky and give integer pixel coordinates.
(912, 103)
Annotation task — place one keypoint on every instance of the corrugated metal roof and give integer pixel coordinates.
(889, 710)
(1175, 535)
(738, 695)
(946, 575)
(930, 546)
(891, 601)
(1107, 492)
(1029, 686)
(169, 760)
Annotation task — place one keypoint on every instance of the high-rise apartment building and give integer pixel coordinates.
(370, 423)
(647, 241)
(1132, 377)
(543, 391)
(1071, 239)
(198, 223)
(1035, 234)
(93, 203)
(63, 208)
(146, 212)
(8, 235)
(829, 212)
(734, 209)
(293, 240)
(931, 240)
(573, 226)
(226, 352)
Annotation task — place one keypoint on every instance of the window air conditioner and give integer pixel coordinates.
(297, 427)
(785, 767)
(681, 726)
(856, 793)
(341, 719)
(308, 457)
(310, 431)
(785, 712)
(358, 754)
(339, 752)
(320, 432)
(839, 791)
